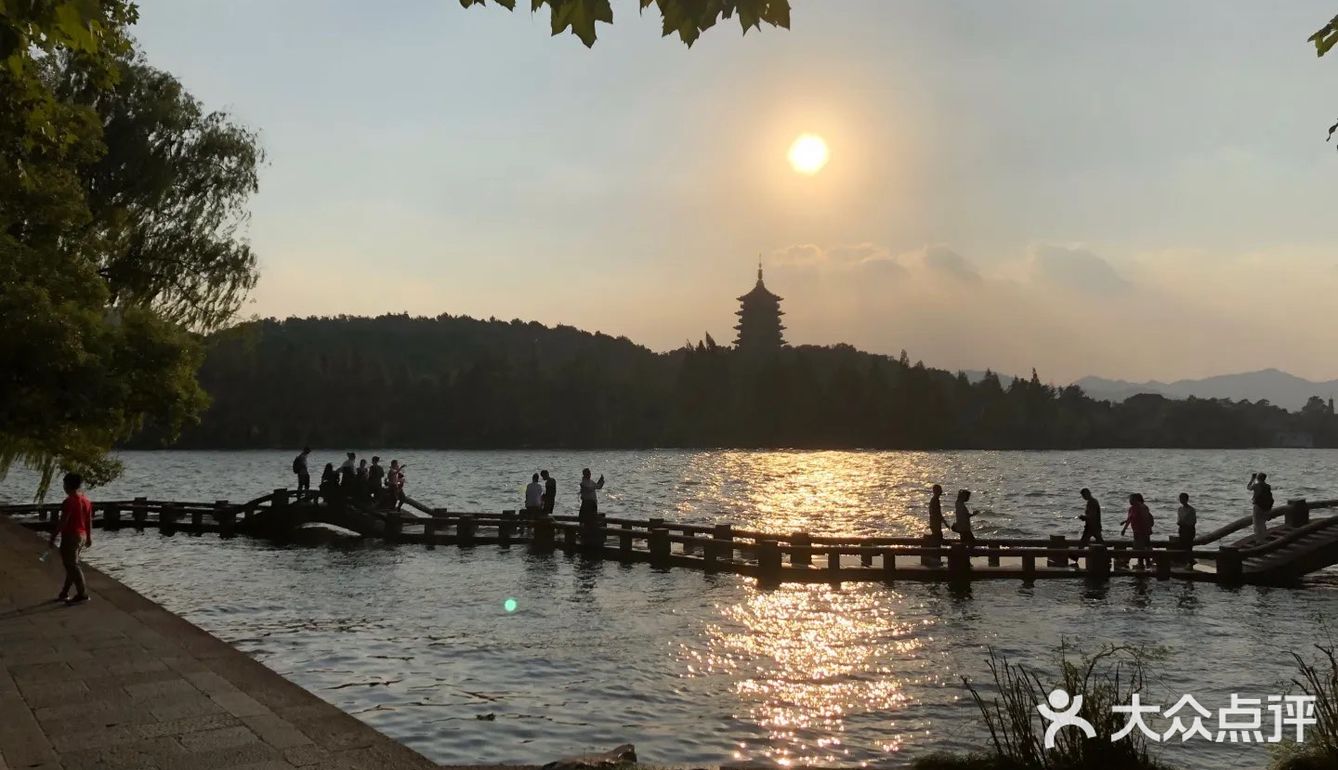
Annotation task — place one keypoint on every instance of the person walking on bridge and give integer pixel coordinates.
(589, 500)
(1262, 500)
(936, 513)
(550, 492)
(1186, 520)
(1140, 519)
(302, 471)
(1091, 519)
(962, 517)
(76, 533)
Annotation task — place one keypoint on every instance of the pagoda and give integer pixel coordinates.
(759, 315)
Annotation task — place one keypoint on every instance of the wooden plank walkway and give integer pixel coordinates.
(120, 682)
(1295, 546)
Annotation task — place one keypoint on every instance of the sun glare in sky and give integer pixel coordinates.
(808, 154)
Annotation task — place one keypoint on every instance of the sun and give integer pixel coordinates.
(808, 154)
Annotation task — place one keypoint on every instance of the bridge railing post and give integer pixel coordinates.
(768, 562)
(507, 527)
(542, 541)
(280, 498)
(1298, 513)
(167, 518)
(801, 549)
(889, 565)
(834, 561)
(394, 525)
(659, 548)
(1057, 542)
(928, 558)
(592, 535)
(866, 557)
(226, 516)
(197, 521)
(111, 517)
(430, 533)
(1162, 561)
(959, 562)
(465, 528)
(724, 532)
(139, 510)
(625, 543)
(1098, 562)
(1028, 568)
(1230, 566)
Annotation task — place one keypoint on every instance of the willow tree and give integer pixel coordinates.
(120, 203)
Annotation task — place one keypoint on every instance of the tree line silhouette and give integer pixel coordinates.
(458, 382)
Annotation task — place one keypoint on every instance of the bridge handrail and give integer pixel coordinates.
(1287, 539)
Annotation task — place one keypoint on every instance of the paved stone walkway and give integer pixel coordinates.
(122, 683)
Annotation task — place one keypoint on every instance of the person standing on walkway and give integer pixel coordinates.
(395, 483)
(1262, 500)
(589, 500)
(1140, 520)
(1091, 521)
(550, 492)
(76, 533)
(376, 476)
(1186, 520)
(534, 498)
(936, 513)
(303, 473)
(346, 472)
(962, 517)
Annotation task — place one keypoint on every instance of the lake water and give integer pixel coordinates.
(708, 669)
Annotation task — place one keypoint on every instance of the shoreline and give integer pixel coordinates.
(123, 682)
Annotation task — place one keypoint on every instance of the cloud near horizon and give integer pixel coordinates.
(1064, 309)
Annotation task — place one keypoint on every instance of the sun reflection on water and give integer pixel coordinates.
(803, 661)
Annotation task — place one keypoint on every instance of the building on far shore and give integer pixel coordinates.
(759, 315)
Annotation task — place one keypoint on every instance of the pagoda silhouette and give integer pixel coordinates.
(759, 315)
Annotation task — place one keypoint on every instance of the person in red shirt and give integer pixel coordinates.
(76, 533)
(1140, 519)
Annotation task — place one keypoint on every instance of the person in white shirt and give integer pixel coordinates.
(534, 497)
(1187, 519)
(589, 502)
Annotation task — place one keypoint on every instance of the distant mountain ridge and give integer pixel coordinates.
(1278, 387)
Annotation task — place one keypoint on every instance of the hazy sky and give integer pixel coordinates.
(1130, 188)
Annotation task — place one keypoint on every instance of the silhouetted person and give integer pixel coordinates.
(962, 517)
(300, 468)
(76, 533)
(589, 500)
(395, 483)
(1140, 520)
(936, 513)
(1186, 520)
(330, 485)
(361, 482)
(1091, 519)
(346, 472)
(1262, 500)
(550, 492)
(376, 476)
(534, 497)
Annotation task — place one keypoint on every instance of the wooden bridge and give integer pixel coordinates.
(1294, 546)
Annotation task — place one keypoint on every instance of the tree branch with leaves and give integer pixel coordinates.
(685, 18)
